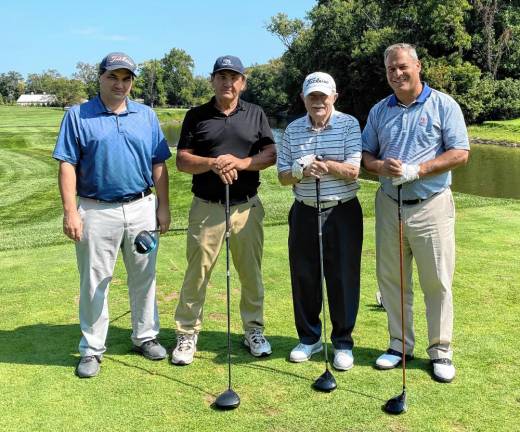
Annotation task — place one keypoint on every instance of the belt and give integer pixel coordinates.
(129, 199)
(232, 201)
(414, 201)
(324, 204)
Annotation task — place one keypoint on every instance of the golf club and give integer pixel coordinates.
(326, 381)
(145, 242)
(228, 400)
(397, 405)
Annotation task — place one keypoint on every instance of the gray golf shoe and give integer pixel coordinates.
(152, 350)
(88, 366)
(258, 345)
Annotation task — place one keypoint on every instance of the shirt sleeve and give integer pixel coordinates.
(67, 147)
(369, 138)
(161, 151)
(352, 141)
(454, 131)
(187, 132)
(284, 161)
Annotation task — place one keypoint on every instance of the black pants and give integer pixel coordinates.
(342, 233)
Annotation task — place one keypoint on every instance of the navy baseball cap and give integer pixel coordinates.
(228, 62)
(117, 60)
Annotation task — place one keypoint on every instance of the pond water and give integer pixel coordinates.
(492, 171)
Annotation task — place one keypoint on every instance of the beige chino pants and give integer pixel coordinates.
(428, 237)
(108, 227)
(206, 231)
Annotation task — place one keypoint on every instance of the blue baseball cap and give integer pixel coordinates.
(117, 60)
(228, 62)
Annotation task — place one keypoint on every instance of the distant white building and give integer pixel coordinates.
(36, 99)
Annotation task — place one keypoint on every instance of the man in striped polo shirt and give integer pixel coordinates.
(324, 144)
(414, 138)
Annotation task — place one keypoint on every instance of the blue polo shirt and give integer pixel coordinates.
(420, 132)
(113, 153)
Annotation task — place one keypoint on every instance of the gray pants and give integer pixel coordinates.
(428, 237)
(107, 227)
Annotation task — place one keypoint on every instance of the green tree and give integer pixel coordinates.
(42, 83)
(151, 83)
(178, 77)
(68, 91)
(11, 86)
(266, 86)
(88, 75)
(201, 90)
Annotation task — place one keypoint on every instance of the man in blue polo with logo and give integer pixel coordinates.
(112, 152)
(413, 139)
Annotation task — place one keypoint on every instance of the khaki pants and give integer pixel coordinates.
(108, 227)
(428, 237)
(206, 231)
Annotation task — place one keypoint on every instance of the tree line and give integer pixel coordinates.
(168, 81)
(469, 49)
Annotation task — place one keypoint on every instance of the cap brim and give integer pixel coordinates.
(111, 68)
(319, 88)
(230, 69)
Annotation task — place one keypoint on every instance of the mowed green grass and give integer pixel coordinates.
(39, 329)
(506, 130)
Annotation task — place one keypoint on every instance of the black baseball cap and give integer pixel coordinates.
(228, 62)
(117, 60)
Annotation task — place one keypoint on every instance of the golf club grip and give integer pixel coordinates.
(401, 277)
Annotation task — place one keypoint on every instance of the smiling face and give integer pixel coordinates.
(403, 74)
(115, 86)
(227, 85)
(319, 106)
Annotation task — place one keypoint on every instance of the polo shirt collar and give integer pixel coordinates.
(100, 107)
(425, 94)
(213, 106)
(330, 123)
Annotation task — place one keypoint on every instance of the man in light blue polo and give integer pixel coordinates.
(112, 152)
(414, 138)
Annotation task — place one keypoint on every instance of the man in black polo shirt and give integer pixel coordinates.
(225, 141)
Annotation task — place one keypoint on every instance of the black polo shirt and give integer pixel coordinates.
(210, 133)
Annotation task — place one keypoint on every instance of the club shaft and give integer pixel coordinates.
(401, 275)
(228, 289)
(322, 272)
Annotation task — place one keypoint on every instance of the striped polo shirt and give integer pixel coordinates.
(414, 134)
(340, 140)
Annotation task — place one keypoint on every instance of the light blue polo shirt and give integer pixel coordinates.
(420, 132)
(113, 153)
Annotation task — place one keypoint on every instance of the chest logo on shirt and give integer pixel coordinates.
(423, 121)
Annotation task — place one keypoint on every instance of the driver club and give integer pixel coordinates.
(325, 382)
(397, 404)
(228, 400)
(145, 242)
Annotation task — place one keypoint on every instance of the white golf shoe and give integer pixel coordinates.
(185, 349)
(256, 342)
(343, 359)
(391, 359)
(302, 352)
(443, 370)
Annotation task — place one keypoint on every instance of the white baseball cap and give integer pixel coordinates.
(319, 82)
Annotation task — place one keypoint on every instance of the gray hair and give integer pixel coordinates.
(401, 46)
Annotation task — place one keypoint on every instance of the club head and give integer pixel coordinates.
(227, 401)
(145, 242)
(396, 405)
(325, 382)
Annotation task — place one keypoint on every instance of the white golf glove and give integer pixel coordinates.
(410, 173)
(300, 164)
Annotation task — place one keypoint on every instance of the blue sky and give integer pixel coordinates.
(41, 35)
